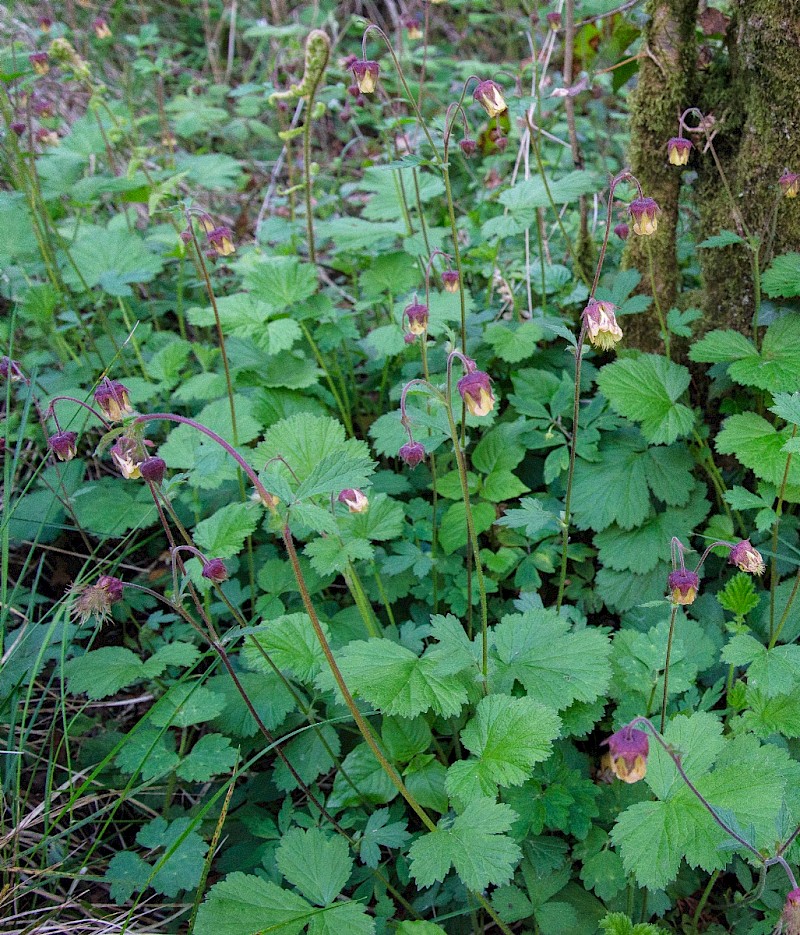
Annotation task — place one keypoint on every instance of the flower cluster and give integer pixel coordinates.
(683, 585)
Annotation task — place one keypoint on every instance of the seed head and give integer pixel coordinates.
(476, 391)
(601, 324)
(417, 315)
(221, 240)
(678, 150)
(683, 586)
(644, 212)
(746, 558)
(354, 500)
(63, 445)
(628, 749)
(790, 183)
(489, 95)
(366, 75)
(112, 397)
(215, 570)
(95, 600)
(412, 453)
(153, 469)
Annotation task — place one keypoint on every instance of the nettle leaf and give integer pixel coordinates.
(474, 844)
(244, 904)
(554, 665)
(782, 279)
(507, 736)
(646, 389)
(770, 671)
(758, 446)
(317, 865)
(103, 672)
(281, 281)
(223, 534)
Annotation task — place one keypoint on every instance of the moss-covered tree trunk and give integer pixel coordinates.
(666, 78)
(754, 95)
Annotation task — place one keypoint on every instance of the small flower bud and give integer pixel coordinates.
(112, 586)
(153, 469)
(682, 586)
(221, 239)
(746, 558)
(215, 570)
(554, 19)
(601, 324)
(366, 75)
(451, 280)
(412, 453)
(622, 230)
(63, 445)
(409, 338)
(644, 212)
(354, 500)
(18, 127)
(790, 917)
(45, 23)
(206, 222)
(500, 141)
(112, 397)
(628, 749)
(468, 146)
(41, 107)
(417, 315)
(126, 458)
(40, 62)
(100, 27)
(186, 236)
(489, 95)
(790, 183)
(476, 391)
(10, 370)
(678, 150)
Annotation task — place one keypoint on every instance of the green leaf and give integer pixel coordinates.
(350, 917)
(646, 389)
(473, 843)
(268, 695)
(721, 347)
(281, 281)
(292, 645)
(382, 521)
(127, 873)
(186, 704)
(453, 529)
(380, 832)
(679, 322)
(151, 753)
(771, 671)
(181, 866)
(531, 517)
(330, 555)
(243, 904)
(758, 446)
(311, 753)
(223, 534)
(317, 865)
(722, 239)
(777, 367)
(554, 665)
(334, 473)
(507, 736)
(603, 873)
(615, 923)
(110, 258)
(367, 775)
(739, 595)
(513, 342)
(782, 279)
(304, 440)
(212, 755)
(787, 406)
(103, 672)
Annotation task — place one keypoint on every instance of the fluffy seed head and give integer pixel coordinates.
(95, 600)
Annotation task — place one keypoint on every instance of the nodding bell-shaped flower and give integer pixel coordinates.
(622, 230)
(45, 23)
(366, 74)
(683, 586)
(554, 19)
(790, 917)
(678, 150)
(790, 183)
(112, 397)
(451, 280)
(95, 600)
(412, 453)
(746, 558)
(417, 315)
(17, 127)
(476, 391)
(354, 500)
(100, 27)
(221, 240)
(468, 146)
(413, 25)
(601, 324)
(153, 469)
(40, 62)
(215, 570)
(644, 212)
(628, 750)
(11, 370)
(63, 445)
(126, 458)
(489, 95)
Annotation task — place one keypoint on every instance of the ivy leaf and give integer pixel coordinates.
(317, 865)
(223, 534)
(243, 904)
(379, 832)
(555, 666)
(507, 735)
(473, 843)
(646, 389)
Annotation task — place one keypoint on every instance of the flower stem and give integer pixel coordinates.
(773, 574)
(666, 666)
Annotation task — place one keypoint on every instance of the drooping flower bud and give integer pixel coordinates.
(678, 150)
(489, 95)
(366, 75)
(682, 586)
(790, 183)
(622, 230)
(468, 146)
(476, 391)
(413, 25)
(644, 212)
(221, 239)
(206, 222)
(354, 500)
(790, 917)
(47, 137)
(45, 23)
(554, 19)
(112, 397)
(628, 749)
(451, 280)
(153, 469)
(40, 62)
(42, 107)
(63, 445)
(409, 338)
(601, 324)
(412, 453)
(101, 29)
(18, 127)
(417, 315)
(746, 558)
(126, 457)
(215, 570)
(11, 370)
